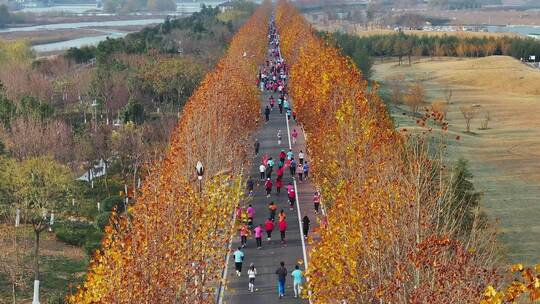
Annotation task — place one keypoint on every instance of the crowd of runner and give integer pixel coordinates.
(272, 78)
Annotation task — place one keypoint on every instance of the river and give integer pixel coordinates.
(64, 45)
(182, 9)
(75, 25)
(92, 9)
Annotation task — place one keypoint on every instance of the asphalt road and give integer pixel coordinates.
(267, 259)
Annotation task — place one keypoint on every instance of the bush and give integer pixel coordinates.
(102, 220)
(92, 243)
(109, 203)
(74, 233)
(134, 112)
(56, 298)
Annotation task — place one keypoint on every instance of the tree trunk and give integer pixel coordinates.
(135, 183)
(36, 255)
(13, 294)
(105, 175)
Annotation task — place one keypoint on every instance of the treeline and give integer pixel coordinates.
(403, 45)
(6, 17)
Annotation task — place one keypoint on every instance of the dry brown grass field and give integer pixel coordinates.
(505, 157)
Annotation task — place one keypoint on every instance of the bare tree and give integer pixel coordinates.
(128, 146)
(416, 96)
(487, 118)
(12, 260)
(469, 113)
(440, 107)
(396, 87)
(448, 94)
(29, 137)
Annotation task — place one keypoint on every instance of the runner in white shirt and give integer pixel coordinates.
(252, 273)
(262, 170)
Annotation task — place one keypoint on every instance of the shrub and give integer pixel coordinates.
(74, 233)
(102, 220)
(92, 243)
(109, 203)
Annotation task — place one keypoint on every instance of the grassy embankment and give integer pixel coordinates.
(505, 157)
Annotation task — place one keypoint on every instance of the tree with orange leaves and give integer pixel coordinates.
(389, 236)
(170, 245)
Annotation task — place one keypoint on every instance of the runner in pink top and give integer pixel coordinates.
(294, 135)
(251, 214)
(290, 187)
(258, 235)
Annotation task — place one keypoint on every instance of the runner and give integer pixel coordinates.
(267, 114)
(257, 146)
(305, 226)
(286, 104)
(306, 170)
(292, 199)
(282, 275)
(292, 167)
(250, 185)
(270, 162)
(300, 171)
(279, 137)
(262, 171)
(279, 171)
(281, 215)
(268, 186)
(252, 273)
(244, 231)
(297, 275)
(251, 214)
(282, 155)
(272, 210)
(258, 235)
(282, 229)
(269, 227)
(294, 136)
(290, 154)
(238, 259)
(279, 184)
(316, 201)
(301, 157)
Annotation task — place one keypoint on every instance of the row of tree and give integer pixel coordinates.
(403, 45)
(400, 226)
(170, 246)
